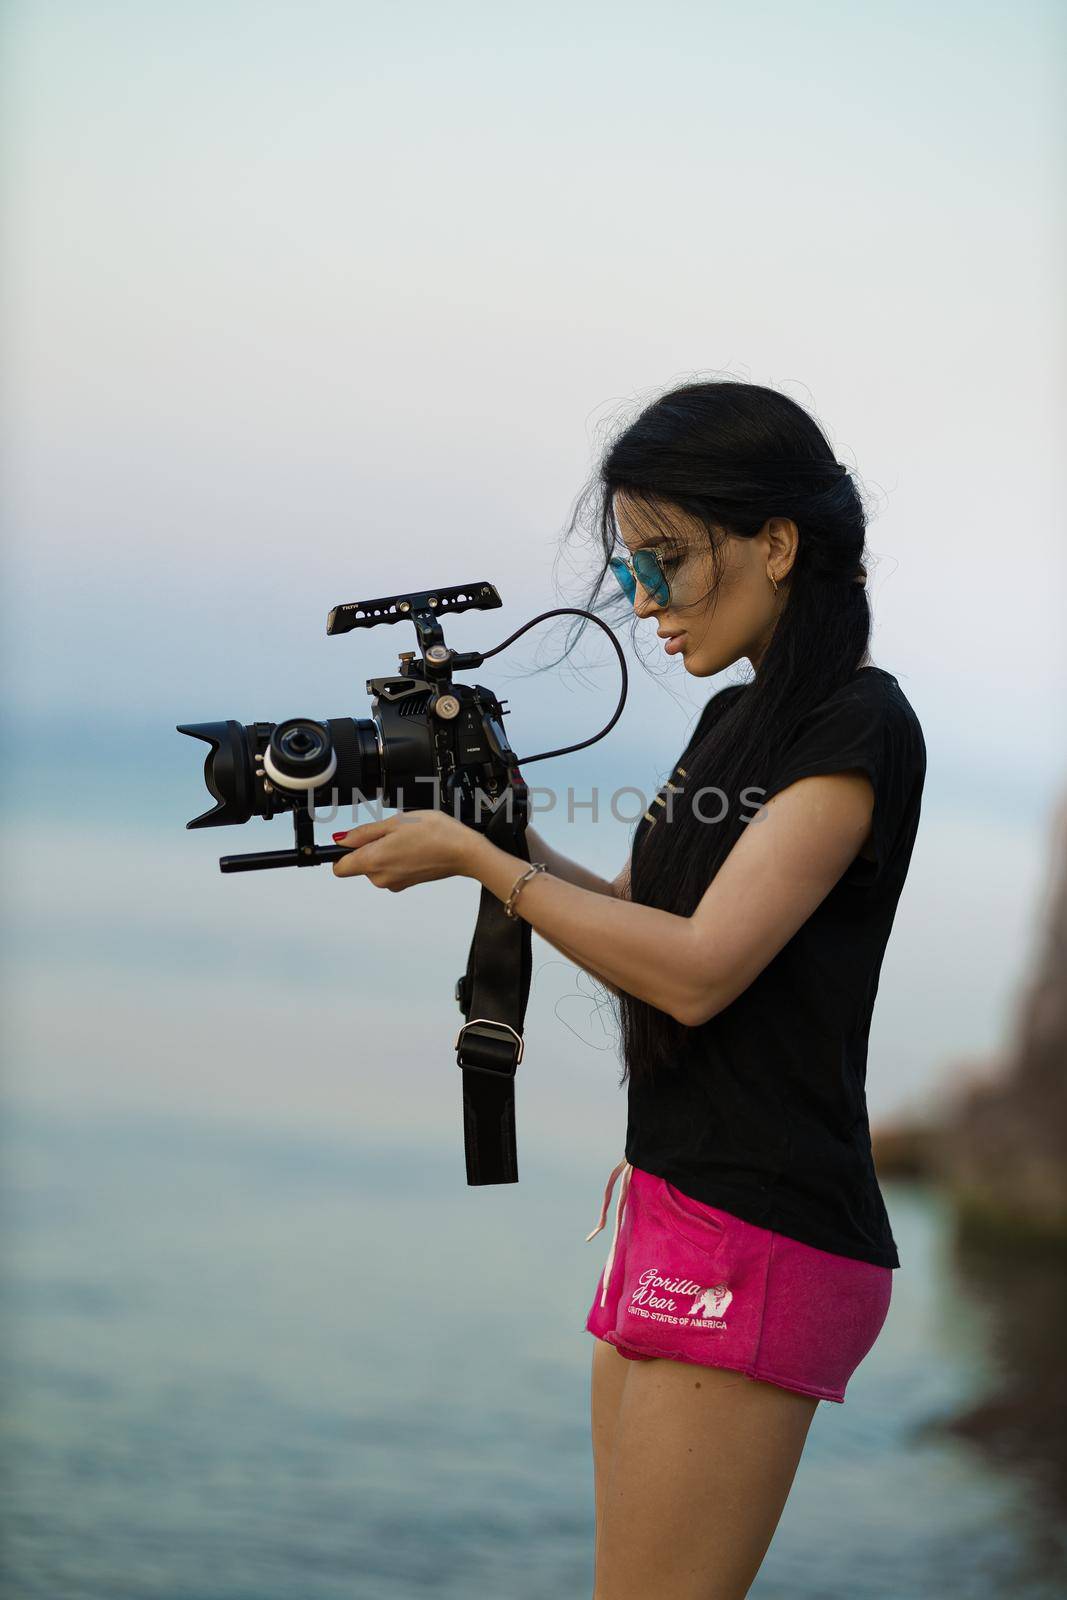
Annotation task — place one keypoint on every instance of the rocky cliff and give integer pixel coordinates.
(999, 1143)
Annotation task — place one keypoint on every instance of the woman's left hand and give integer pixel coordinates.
(410, 847)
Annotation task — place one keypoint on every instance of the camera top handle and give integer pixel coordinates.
(421, 609)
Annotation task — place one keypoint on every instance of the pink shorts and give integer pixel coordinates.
(688, 1282)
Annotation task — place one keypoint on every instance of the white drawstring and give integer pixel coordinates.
(625, 1168)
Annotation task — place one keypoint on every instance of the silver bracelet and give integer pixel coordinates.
(538, 866)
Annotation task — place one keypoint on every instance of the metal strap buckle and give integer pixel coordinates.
(491, 1022)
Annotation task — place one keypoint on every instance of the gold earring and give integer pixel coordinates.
(774, 581)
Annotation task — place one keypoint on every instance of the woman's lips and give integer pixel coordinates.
(674, 644)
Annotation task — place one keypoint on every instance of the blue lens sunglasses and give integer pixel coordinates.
(644, 568)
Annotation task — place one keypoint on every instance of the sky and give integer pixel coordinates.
(308, 304)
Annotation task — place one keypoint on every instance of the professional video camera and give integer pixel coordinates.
(430, 743)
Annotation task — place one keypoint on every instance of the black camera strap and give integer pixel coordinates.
(492, 996)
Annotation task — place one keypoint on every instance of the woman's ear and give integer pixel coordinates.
(782, 537)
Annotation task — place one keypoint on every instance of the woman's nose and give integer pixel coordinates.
(644, 605)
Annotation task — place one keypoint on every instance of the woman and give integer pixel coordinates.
(750, 1268)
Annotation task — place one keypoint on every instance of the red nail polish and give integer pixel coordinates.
(339, 836)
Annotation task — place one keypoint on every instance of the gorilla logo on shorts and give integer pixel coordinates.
(713, 1302)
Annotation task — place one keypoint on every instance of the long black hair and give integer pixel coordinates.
(732, 455)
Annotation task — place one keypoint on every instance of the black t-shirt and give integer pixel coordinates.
(765, 1114)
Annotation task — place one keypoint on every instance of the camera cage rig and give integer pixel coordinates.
(493, 991)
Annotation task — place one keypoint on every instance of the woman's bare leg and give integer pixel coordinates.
(606, 1386)
(703, 1462)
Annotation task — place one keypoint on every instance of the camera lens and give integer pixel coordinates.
(343, 755)
(300, 754)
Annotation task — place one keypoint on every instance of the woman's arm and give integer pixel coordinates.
(637, 948)
(561, 866)
(782, 867)
(619, 887)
